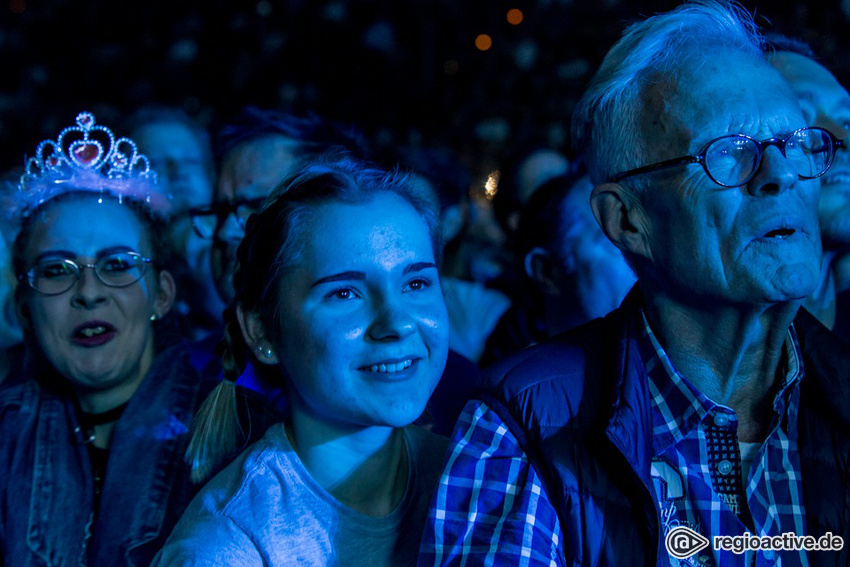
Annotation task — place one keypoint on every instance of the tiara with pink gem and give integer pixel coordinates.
(88, 157)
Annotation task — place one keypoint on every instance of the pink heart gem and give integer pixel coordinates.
(86, 120)
(86, 153)
(52, 161)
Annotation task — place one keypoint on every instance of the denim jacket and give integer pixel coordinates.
(46, 485)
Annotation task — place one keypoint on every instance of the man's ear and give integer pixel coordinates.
(166, 292)
(254, 333)
(622, 218)
(540, 268)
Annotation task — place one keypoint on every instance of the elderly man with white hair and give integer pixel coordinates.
(708, 405)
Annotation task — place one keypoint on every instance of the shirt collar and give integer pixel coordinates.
(678, 406)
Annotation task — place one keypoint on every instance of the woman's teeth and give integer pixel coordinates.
(388, 368)
(92, 331)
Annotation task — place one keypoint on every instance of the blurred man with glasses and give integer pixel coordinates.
(255, 151)
(705, 402)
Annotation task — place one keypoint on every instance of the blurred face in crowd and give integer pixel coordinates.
(183, 167)
(824, 103)
(362, 322)
(181, 163)
(754, 244)
(248, 175)
(98, 337)
(601, 278)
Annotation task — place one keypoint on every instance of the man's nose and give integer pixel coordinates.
(775, 174)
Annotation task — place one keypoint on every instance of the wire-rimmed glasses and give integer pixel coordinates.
(52, 276)
(733, 160)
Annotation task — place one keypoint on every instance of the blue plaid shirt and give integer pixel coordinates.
(490, 507)
(696, 467)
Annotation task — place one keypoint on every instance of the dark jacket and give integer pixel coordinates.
(46, 487)
(580, 407)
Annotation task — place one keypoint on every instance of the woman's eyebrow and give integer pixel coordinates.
(340, 277)
(64, 254)
(418, 267)
(113, 250)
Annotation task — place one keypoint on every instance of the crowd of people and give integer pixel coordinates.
(274, 345)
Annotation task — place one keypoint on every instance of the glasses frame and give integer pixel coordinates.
(762, 146)
(78, 270)
(221, 211)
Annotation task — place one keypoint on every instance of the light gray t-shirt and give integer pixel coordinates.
(266, 509)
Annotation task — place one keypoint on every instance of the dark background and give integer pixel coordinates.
(403, 71)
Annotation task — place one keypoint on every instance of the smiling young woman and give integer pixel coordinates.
(338, 295)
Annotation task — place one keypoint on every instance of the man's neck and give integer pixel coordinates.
(729, 353)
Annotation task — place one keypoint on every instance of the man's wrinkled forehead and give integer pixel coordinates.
(710, 96)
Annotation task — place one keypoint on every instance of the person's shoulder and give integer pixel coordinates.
(247, 475)
(22, 398)
(826, 363)
(560, 362)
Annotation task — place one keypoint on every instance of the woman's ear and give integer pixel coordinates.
(254, 333)
(622, 218)
(166, 291)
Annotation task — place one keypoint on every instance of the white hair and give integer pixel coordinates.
(606, 124)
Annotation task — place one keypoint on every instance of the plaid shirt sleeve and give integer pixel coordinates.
(490, 507)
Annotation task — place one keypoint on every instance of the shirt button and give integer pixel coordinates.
(721, 419)
(724, 467)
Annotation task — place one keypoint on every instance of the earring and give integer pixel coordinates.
(154, 317)
(266, 352)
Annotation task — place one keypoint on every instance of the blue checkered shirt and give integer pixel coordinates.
(490, 507)
(696, 467)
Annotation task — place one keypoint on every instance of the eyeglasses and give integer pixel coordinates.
(53, 276)
(206, 220)
(732, 161)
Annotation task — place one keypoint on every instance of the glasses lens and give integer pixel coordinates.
(810, 150)
(120, 269)
(203, 221)
(53, 276)
(732, 159)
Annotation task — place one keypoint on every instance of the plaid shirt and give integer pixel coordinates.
(490, 507)
(696, 467)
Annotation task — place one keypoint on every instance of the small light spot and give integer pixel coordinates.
(483, 42)
(491, 187)
(514, 16)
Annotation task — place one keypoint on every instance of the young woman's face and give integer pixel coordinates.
(362, 321)
(98, 337)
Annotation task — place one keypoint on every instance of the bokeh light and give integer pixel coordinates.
(483, 42)
(514, 16)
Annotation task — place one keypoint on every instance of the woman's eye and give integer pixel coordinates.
(342, 294)
(418, 284)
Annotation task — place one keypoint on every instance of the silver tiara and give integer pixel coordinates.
(88, 157)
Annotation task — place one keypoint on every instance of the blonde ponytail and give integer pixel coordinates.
(216, 429)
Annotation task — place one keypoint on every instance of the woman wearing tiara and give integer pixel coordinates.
(92, 442)
(338, 297)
